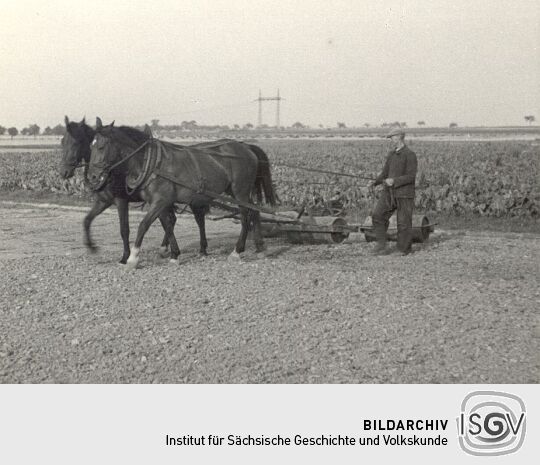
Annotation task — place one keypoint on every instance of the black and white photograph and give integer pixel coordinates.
(234, 192)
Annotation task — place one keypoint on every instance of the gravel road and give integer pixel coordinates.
(461, 309)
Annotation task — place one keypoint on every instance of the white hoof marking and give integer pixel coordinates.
(174, 261)
(133, 259)
(234, 257)
(163, 251)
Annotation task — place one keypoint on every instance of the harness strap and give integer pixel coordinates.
(137, 150)
(149, 165)
(213, 195)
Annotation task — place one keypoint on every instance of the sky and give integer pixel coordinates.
(472, 62)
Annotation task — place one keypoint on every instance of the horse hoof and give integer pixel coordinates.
(234, 257)
(92, 248)
(123, 261)
(132, 263)
(163, 252)
(174, 261)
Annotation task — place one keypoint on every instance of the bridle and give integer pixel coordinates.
(105, 172)
(82, 159)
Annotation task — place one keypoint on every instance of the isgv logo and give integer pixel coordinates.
(491, 423)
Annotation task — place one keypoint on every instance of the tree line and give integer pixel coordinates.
(33, 130)
(59, 129)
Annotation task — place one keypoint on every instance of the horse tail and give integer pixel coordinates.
(263, 180)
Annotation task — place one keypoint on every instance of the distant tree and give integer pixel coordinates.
(189, 125)
(453, 125)
(2, 130)
(154, 124)
(59, 130)
(248, 126)
(421, 123)
(341, 125)
(403, 125)
(13, 132)
(25, 131)
(321, 126)
(366, 125)
(298, 125)
(236, 126)
(530, 119)
(33, 130)
(47, 131)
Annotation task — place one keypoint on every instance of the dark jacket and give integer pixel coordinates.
(401, 166)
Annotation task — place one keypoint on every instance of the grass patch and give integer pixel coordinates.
(33, 196)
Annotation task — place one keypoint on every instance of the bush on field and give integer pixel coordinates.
(457, 177)
(37, 171)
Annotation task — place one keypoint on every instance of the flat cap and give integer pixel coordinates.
(395, 132)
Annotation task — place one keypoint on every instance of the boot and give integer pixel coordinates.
(380, 249)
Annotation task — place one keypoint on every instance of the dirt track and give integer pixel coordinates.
(461, 309)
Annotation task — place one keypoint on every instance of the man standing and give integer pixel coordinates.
(398, 177)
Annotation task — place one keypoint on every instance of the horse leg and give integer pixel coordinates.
(257, 231)
(123, 216)
(99, 206)
(165, 243)
(199, 213)
(167, 221)
(241, 243)
(155, 210)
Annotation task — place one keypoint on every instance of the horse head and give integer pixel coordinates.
(75, 147)
(103, 154)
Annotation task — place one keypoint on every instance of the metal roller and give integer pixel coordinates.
(421, 229)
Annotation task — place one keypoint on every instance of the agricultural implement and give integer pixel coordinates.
(421, 229)
(332, 226)
(306, 228)
(299, 228)
(328, 226)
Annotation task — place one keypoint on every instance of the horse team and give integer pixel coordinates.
(123, 165)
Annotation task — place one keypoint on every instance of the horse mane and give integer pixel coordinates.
(127, 135)
(80, 131)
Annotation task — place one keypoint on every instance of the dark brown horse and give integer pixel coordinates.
(75, 153)
(165, 174)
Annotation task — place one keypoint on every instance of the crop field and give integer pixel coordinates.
(462, 308)
(493, 179)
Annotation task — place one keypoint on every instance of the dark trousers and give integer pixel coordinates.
(381, 216)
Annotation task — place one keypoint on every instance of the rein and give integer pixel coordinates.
(118, 163)
(316, 170)
(105, 172)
